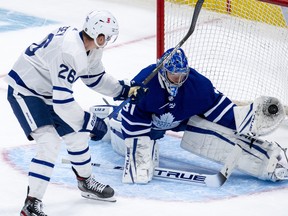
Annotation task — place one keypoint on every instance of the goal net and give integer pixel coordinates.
(240, 45)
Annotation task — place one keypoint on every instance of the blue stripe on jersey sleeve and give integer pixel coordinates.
(98, 76)
(92, 76)
(21, 83)
(218, 108)
(133, 126)
(58, 88)
(222, 113)
(63, 89)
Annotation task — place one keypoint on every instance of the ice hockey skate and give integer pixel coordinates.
(93, 189)
(32, 207)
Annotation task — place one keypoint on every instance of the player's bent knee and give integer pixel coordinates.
(48, 141)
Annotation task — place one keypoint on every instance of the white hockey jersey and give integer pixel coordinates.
(49, 68)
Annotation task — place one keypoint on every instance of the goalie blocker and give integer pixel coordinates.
(262, 159)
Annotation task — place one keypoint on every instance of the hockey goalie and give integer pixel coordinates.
(181, 99)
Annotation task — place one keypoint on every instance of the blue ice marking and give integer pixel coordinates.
(171, 155)
(13, 20)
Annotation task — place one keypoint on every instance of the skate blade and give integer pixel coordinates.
(94, 197)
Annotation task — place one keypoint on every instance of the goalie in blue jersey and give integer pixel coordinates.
(181, 99)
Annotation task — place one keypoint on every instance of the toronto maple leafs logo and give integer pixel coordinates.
(165, 121)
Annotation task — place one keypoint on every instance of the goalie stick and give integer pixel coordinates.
(196, 12)
(210, 180)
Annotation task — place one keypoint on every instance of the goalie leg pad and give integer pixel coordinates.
(117, 140)
(215, 142)
(261, 117)
(139, 164)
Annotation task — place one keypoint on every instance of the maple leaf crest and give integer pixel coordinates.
(165, 121)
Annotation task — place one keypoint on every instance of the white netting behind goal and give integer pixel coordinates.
(241, 45)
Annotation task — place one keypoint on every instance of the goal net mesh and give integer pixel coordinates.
(240, 45)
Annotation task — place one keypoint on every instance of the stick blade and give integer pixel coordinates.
(216, 180)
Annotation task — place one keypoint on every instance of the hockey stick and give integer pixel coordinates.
(227, 169)
(66, 161)
(197, 10)
(210, 180)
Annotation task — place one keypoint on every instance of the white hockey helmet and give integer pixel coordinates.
(101, 22)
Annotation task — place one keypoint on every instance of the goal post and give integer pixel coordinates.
(277, 2)
(240, 45)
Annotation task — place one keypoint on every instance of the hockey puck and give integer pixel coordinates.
(273, 109)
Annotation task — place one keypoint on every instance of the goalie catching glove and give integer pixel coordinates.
(260, 117)
(132, 90)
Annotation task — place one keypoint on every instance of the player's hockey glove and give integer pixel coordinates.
(135, 91)
(96, 126)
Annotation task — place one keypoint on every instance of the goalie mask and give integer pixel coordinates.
(175, 71)
(101, 22)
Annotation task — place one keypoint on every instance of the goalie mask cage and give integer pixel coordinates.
(240, 45)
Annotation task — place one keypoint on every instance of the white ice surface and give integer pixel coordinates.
(134, 49)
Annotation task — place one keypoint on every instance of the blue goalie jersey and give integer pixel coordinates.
(158, 110)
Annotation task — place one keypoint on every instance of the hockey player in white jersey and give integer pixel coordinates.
(181, 99)
(41, 96)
